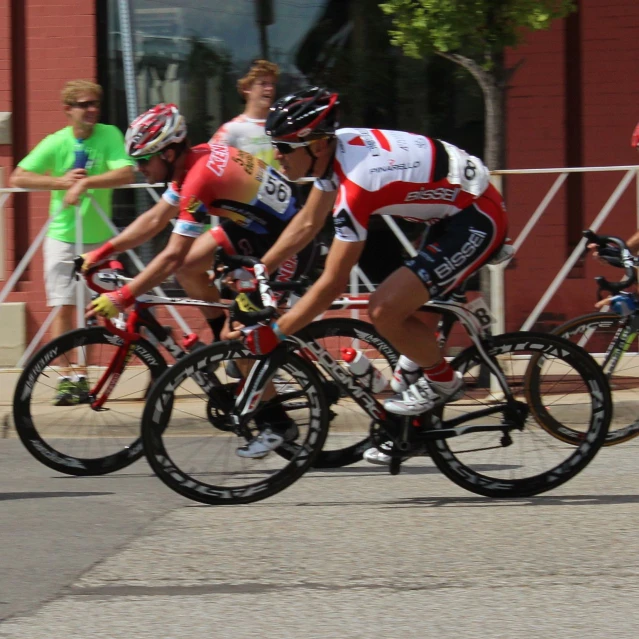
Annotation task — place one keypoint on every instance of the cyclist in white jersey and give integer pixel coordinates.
(365, 172)
(246, 131)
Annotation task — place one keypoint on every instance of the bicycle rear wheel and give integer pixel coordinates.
(190, 439)
(597, 333)
(76, 439)
(550, 377)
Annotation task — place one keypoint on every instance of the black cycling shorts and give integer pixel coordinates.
(459, 245)
(235, 239)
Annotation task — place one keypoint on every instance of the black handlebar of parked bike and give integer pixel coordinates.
(617, 255)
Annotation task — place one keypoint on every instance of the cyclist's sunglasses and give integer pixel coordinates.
(288, 147)
(143, 159)
(85, 104)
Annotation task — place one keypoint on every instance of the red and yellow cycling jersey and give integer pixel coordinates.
(226, 182)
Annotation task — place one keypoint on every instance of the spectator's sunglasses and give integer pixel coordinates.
(85, 104)
(288, 147)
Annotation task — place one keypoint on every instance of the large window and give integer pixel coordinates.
(192, 52)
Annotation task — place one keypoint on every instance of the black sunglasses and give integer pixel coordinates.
(85, 104)
(144, 159)
(288, 147)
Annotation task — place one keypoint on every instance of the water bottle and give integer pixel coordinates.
(362, 367)
(81, 156)
(624, 303)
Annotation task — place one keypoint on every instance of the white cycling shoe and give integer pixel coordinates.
(402, 378)
(380, 458)
(423, 395)
(267, 440)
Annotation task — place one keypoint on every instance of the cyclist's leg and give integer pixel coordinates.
(458, 246)
(193, 275)
(275, 425)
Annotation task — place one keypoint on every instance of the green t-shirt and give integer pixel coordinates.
(55, 156)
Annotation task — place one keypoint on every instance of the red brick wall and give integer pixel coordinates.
(5, 97)
(536, 138)
(61, 44)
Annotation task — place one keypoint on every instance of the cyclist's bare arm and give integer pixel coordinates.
(162, 265)
(341, 258)
(304, 226)
(633, 243)
(145, 227)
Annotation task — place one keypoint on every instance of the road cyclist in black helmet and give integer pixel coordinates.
(361, 172)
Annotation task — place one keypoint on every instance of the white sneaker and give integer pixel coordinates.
(266, 441)
(402, 378)
(423, 396)
(380, 458)
(377, 457)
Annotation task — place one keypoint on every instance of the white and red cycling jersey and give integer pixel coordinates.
(379, 172)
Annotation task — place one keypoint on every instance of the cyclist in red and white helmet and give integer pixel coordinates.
(155, 131)
(361, 172)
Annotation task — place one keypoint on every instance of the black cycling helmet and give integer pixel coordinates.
(304, 115)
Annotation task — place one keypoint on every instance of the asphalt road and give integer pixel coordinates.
(350, 553)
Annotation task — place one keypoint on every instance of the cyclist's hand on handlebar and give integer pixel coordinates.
(261, 339)
(111, 304)
(607, 254)
(97, 255)
(105, 306)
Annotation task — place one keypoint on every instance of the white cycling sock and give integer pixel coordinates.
(408, 365)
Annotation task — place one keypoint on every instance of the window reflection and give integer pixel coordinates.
(192, 52)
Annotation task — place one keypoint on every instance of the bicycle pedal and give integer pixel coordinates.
(395, 465)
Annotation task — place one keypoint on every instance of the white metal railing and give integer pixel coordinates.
(358, 278)
(497, 271)
(35, 245)
(357, 275)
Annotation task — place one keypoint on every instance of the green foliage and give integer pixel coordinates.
(479, 29)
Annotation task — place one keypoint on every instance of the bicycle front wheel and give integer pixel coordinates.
(191, 439)
(550, 378)
(73, 437)
(349, 433)
(604, 336)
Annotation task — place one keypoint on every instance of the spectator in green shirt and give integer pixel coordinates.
(50, 165)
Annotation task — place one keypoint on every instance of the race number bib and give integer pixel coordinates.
(466, 170)
(275, 193)
(480, 310)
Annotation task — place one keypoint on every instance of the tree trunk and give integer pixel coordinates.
(494, 144)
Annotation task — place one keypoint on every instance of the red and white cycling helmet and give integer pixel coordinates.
(634, 140)
(154, 130)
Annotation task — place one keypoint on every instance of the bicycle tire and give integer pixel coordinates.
(595, 332)
(78, 427)
(185, 433)
(334, 334)
(567, 382)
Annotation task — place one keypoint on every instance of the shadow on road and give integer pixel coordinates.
(12, 496)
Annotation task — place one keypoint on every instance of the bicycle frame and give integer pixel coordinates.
(141, 317)
(261, 373)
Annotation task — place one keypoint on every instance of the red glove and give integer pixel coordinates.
(261, 339)
(97, 255)
(634, 141)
